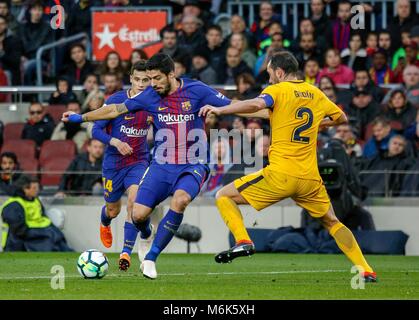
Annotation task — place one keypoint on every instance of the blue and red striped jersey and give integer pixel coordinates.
(131, 128)
(180, 136)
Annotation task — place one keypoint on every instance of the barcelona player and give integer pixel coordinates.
(296, 110)
(126, 159)
(179, 165)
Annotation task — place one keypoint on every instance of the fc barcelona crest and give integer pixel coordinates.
(186, 106)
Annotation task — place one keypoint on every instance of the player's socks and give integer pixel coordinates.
(106, 221)
(233, 218)
(165, 232)
(144, 228)
(130, 235)
(347, 243)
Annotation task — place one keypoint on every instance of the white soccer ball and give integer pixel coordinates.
(92, 264)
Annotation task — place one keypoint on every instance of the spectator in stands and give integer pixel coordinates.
(307, 49)
(372, 46)
(410, 183)
(64, 92)
(135, 56)
(78, 133)
(214, 47)
(260, 28)
(246, 86)
(39, 126)
(311, 70)
(394, 158)
(339, 73)
(321, 22)
(410, 85)
(191, 35)
(112, 84)
(412, 132)
(400, 110)
(169, 42)
(355, 57)
(344, 132)
(238, 25)
(341, 27)
(381, 135)
(262, 149)
(400, 54)
(362, 110)
(1, 133)
(10, 51)
(363, 82)
(34, 34)
(89, 162)
(181, 67)
(238, 41)
(380, 71)
(234, 67)
(79, 67)
(8, 175)
(93, 101)
(12, 23)
(274, 27)
(412, 54)
(112, 64)
(219, 166)
(91, 83)
(197, 9)
(384, 43)
(276, 45)
(341, 97)
(79, 19)
(405, 20)
(306, 29)
(201, 70)
(28, 228)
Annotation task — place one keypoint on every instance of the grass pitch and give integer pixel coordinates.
(197, 276)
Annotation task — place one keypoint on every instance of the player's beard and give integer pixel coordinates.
(166, 90)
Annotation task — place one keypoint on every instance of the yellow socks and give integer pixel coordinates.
(347, 243)
(232, 217)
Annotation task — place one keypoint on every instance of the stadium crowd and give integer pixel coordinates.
(383, 129)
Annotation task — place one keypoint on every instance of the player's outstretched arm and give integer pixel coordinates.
(245, 106)
(104, 113)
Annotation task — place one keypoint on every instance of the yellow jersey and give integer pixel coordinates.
(297, 110)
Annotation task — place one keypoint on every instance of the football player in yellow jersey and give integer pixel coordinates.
(296, 111)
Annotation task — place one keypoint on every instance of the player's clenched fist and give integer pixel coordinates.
(123, 147)
(70, 116)
(207, 109)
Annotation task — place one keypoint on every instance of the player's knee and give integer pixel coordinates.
(139, 214)
(113, 210)
(180, 201)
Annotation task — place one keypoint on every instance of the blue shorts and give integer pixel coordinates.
(162, 180)
(116, 181)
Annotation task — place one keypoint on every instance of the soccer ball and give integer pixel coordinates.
(92, 264)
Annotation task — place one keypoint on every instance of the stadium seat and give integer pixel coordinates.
(57, 149)
(58, 165)
(29, 165)
(56, 111)
(13, 130)
(22, 148)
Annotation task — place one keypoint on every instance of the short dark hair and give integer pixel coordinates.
(345, 2)
(167, 29)
(286, 61)
(73, 101)
(215, 27)
(138, 66)
(10, 155)
(25, 181)
(161, 62)
(78, 45)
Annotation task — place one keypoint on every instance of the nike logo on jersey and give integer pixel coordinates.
(162, 108)
(195, 171)
(129, 118)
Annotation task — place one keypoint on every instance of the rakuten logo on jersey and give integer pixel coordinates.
(132, 132)
(176, 118)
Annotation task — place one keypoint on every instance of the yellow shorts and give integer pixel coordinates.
(265, 187)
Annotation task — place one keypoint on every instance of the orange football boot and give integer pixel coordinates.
(106, 235)
(124, 261)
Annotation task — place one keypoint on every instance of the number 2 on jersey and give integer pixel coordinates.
(302, 113)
